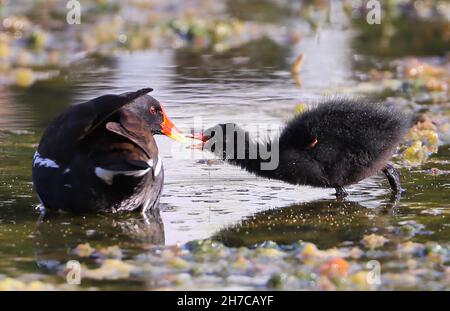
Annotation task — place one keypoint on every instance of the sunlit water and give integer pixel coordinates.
(203, 200)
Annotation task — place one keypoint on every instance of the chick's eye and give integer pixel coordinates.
(152, 110)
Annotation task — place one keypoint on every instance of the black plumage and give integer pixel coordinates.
(338, 143)
(101, 155)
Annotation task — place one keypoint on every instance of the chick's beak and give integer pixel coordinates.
(199, 136)
(169, 129)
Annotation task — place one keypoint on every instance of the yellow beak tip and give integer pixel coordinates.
(179, 137)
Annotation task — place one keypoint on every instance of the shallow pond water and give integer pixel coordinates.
(206, 199)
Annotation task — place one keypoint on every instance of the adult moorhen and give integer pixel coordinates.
(338, 143)
(101, 155)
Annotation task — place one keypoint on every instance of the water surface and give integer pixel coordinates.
(247, 85)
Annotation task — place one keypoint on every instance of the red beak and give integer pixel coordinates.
(199, 136)
(169, 129)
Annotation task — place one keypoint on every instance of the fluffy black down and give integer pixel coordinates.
(354, 140)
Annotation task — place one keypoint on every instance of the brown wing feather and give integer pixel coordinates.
(62, 137)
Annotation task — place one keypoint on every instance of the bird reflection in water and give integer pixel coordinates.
(57, 235)
(327, 223)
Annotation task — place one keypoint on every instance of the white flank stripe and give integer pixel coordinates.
(158, 167)
(39, 161)
(108, 175)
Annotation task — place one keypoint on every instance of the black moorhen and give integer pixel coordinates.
(336, 144)
(101, 155)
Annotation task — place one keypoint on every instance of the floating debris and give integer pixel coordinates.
(373, 241)
(335, 267)
(110, 269)
(423, 141)
(296, 68)
(37, 44)
(417, 153)
(297, 65)
(83, 250)
(300, 108)
(10, 284)
(208, 264)
(24, 77)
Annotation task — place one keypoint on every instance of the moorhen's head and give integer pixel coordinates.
(152, 111)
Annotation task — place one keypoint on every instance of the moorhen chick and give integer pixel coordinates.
(101, 155)
(338, 143)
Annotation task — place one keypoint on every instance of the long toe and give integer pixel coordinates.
(340, 193)
(393, 177)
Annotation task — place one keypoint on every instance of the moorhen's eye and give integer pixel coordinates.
(152, 110)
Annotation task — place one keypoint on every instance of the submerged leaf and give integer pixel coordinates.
(111, 269)
(373, 241)
(83, 250)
